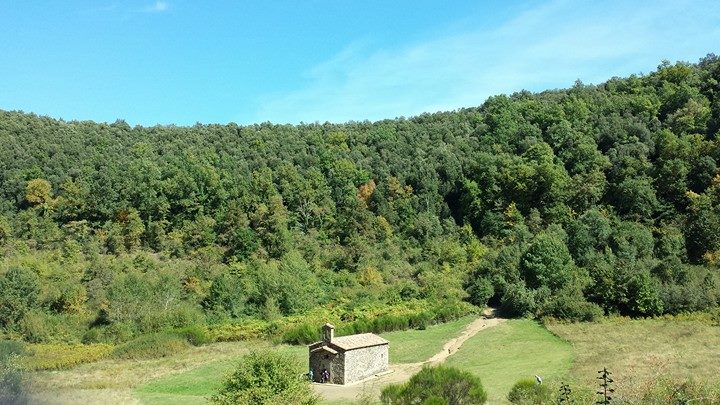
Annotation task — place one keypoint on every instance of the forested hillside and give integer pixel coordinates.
(565, 203)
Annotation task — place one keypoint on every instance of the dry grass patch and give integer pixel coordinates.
(87, 381)
(639, 352)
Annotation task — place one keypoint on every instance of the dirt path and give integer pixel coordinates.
(402, 372)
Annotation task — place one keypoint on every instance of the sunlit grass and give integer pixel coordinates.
(196, 385)
(412, 346)
(516, 349)
(115, 378)
(636, 351)
(641, 351)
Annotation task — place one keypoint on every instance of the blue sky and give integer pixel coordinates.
(181, 62)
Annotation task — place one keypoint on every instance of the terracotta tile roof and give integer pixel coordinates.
(357, 341)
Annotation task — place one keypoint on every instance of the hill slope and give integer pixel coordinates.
(562, 203)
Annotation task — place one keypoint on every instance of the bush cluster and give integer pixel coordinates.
(196, 335)
(151, 346)
(246, 329)
(12, 388)
(437, 385)
(62, 356)
(266, 378)
(308, 332)
(529, 392)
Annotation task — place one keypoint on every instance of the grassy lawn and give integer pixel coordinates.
(190, 377)
(190, 387)
(412, 346)
(639, 351)
(195, 385)
(114, 381)
(510, 351)
(123, 374)
(636, 351)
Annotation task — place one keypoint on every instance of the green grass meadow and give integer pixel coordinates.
(190, 387)
(195, 385)
(413, 346)
(515, 349)
(636, 351)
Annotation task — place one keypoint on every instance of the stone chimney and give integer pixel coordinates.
(328, 332)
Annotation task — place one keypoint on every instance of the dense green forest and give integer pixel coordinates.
(566, 203)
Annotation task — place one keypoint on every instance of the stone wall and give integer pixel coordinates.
(365, 362)
(337, 369)
(334, 363)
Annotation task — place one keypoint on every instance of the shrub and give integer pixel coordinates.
(481, 290)
(62, 356)
(180, 314)
(528, 392)
(114, 334)
(359, 326)
(10, 348)
(389, 323)
(19, 292)
(305, 329)
(348, 329)
(196, 335)
(435, 401)
(572, 308)
(420, 321)
(304, 333)
(240, 330)
(439, 385)
(266, 378)
(451, 311)
(11, 379)
(392, 394)
(151, 346)
(41, 327)
(518, 300)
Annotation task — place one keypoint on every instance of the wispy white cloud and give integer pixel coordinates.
(547, 46)
(157, 7)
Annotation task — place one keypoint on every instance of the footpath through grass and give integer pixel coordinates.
(195, 385)
(413, 346)
(516, 349)
(636, 351)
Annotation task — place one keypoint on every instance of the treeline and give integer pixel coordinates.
(566, 203)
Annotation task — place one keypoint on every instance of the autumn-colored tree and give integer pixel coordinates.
(38, 193)
(366, 191)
